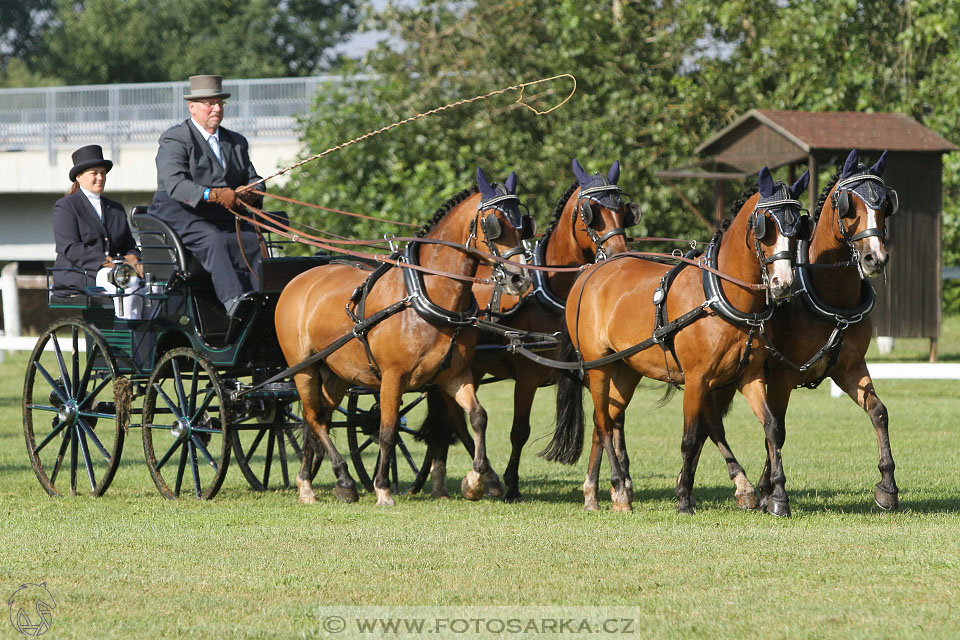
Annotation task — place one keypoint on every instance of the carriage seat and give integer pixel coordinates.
(161, 250)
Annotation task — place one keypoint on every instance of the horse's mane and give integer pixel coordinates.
(735, 208)
(822, 198)
(444, 210)
(558, 211)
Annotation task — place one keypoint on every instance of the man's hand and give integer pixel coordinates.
(107, 262)
(132, 260)
(250, 198)
(224, 196)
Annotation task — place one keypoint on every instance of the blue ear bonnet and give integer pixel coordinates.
(597, 188)
(865, 182)
(784, 208)
(500, 197)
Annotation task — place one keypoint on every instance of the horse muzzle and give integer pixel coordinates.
(872, 262)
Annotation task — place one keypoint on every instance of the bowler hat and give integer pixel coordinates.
(206, 87)
(87, 157)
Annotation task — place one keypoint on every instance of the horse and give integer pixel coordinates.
(708, 346)
(825, 331)
(402, 329)
(589, 223)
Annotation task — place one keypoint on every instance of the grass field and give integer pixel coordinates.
(253, 565)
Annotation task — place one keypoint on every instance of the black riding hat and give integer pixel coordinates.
(86, 157)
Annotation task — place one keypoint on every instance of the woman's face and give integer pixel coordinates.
(93, 179)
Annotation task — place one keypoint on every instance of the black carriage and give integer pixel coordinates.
(188, 376)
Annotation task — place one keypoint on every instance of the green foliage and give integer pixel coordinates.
(651, 87)
(106, 41)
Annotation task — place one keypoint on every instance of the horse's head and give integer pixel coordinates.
(861, 204)
(502, 228)
(600, 214)
(776, 223)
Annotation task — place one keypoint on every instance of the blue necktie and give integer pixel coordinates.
(215, 146)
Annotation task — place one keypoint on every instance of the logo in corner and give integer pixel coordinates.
(29, 608)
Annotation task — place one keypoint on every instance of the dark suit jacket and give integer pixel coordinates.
(83, 241)
(186, 166)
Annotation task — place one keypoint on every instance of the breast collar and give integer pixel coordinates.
(815, 304)
(541, 288)
(718, 301)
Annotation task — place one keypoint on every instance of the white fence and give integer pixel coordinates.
(907, 371)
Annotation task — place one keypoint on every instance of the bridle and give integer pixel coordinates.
(509, 205)
(873, 193)
(790, 219)
(607, 196)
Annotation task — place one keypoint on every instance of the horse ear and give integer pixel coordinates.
(800, 185)
(850, 164)
(614, 174)
(765, 182)
(485, 189)
(578, 171)
(881, 164)
(511, 184)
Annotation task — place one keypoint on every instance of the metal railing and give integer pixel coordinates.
(49, 117)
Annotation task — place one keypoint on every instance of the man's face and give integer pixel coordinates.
(207, 113)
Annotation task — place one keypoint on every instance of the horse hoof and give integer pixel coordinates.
(512, 496)
(779, 508)
(472, 486)
(346, 494)
(591, 505)
(747, 501)
(440, 493)
(886, 500)
(307, 499)
(686, 510)
(494, 488)
(622, 507)
(384, 499)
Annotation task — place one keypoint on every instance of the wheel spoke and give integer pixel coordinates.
(73, 463)
(256, 443)
(88, 463)
(57, 429)
(89, 433)
(59, 462)
(283, 458)
(198, 444)
(196, 472)
(60, 391)
(174, 409)
(87, 371)
(75, 358)
(180, 469)
(271, 439)
(366, 444)
(63, 365)
(211, 393)
(178, 385)
(95, 392)
(169, 453)
(406, 454)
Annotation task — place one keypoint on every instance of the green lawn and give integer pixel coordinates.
(246, 564)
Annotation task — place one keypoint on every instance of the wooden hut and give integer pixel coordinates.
(908, 302)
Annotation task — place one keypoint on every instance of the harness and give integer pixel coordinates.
(608, 196)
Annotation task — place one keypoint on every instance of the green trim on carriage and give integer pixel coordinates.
(120, 341)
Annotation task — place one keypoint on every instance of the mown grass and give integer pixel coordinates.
(131, 564)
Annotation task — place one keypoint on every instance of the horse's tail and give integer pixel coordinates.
(435, 427)
(567, 443)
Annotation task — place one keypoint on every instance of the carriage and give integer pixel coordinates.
(184, 376)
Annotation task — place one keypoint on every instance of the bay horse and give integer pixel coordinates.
(825, 331)
(619, 308)
(589, 223)
(408, 329)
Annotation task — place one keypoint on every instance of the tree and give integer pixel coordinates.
(107, 41)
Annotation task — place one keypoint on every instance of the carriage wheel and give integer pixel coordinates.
(363, 435)
(186, 426)
(261, 452)
(70, 419)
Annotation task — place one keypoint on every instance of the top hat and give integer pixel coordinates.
(87, 157)
(206, 87)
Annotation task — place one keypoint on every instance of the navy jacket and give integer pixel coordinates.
(83, 241)
(186, 166)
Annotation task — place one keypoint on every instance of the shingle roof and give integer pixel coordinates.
(843, 130)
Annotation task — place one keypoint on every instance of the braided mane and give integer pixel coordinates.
(736, 206)
(444, 209)
(822, 198)
(558, 210)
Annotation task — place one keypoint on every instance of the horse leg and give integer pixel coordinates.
(318, 397)
(390, 396)
(744, 493)
(523, 393)
(601, 389)
(620, 447)
(778, 398)
(592, 481)
(455, 414)
(773, 427)
(464, 392)
(859, 386)
(694, 436)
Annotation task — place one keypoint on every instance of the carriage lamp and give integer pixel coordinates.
(121, 275)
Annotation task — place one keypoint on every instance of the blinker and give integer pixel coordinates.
(528, 227)
(491, 226)
(586, 212)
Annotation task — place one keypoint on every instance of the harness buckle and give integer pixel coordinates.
(389, 238)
